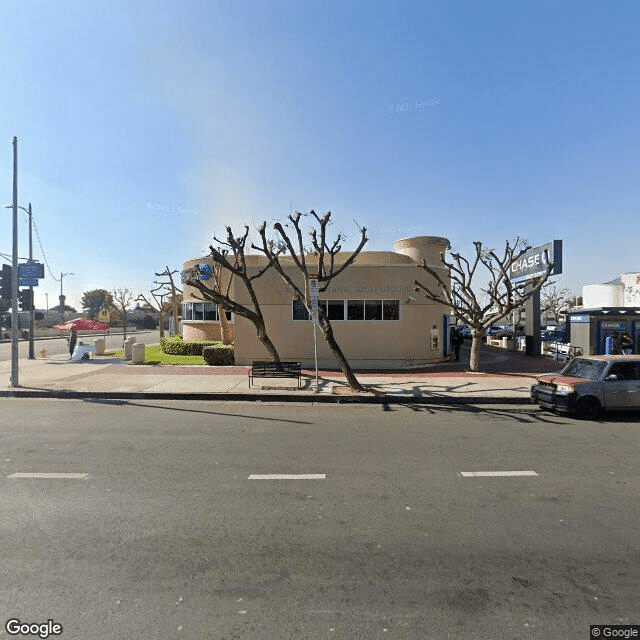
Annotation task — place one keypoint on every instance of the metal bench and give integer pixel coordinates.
(272, 369)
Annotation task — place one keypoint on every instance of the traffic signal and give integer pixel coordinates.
(5, 282)
(26, 299)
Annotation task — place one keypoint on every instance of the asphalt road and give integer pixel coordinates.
(167, 537)
(57, 343)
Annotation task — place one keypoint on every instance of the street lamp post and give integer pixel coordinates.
(62, 298)
(28, 211)
(14, 273)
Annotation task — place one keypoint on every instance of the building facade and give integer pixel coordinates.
(377, 318)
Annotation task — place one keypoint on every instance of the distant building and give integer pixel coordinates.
(623, 291)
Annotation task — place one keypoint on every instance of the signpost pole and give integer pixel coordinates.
(313, 294)
(315, 352)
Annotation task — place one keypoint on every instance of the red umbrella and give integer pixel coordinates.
(82, 324)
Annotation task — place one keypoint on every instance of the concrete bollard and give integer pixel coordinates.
(128, 343)
(98, 343)
(137, 353)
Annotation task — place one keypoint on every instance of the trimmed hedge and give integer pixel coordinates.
(176, 346)
(218, 354)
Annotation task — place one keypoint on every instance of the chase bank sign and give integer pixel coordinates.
(534, 263)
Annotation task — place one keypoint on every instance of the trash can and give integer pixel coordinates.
(137, 353)
(128, 344)
(98, 343)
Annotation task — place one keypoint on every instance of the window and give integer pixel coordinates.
(299, 311)
(355, 309)
(352, 309)
(335, 309)
(210, 311)
(373, 310)
(391, 310)
(202, 311)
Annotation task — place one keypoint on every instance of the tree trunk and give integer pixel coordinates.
(225, 327)
(161, 326)
(476, 343)
(176, 322)
(353, 382)
(264, 338)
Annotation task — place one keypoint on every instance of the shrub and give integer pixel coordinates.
(218, 354)
(176, 346)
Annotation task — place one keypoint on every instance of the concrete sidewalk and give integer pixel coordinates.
(506, 378)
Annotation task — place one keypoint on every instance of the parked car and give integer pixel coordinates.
(464, 330)
(553, 335)
(495, 330)
(589, 384)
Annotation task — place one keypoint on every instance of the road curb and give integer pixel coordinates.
(266, 397)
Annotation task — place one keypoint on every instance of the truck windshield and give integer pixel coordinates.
(583, 368)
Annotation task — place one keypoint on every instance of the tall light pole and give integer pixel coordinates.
(62, 275)
(14, 272)
(31, 348)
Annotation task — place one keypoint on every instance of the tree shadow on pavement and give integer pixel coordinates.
(522, 414)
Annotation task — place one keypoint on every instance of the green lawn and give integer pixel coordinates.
(153, 354)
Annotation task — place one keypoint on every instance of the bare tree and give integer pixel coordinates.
(319, 263)
(554, 301)
(480, 307)
(123, 299)
(221, 286)
(167, 298)
(230, 255)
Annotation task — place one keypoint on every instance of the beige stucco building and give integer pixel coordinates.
(377, 318)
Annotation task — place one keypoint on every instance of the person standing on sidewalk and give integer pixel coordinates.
(456, 341)
(73, 338)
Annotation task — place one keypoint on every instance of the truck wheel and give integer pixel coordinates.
(588, 408)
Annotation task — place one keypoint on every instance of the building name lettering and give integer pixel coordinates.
(527, 263)
(362, 289)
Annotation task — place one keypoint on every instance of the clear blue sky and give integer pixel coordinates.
(144, 127)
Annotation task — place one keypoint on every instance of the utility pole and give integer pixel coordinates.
(32, 355)
(14, 273)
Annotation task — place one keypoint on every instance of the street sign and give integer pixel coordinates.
(313, 293)
(31, 270)
(27, 282)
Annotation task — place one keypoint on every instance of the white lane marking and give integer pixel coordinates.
(48, 475)
(287, 476)
(497, 474)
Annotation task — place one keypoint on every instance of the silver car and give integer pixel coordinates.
(589, 384)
